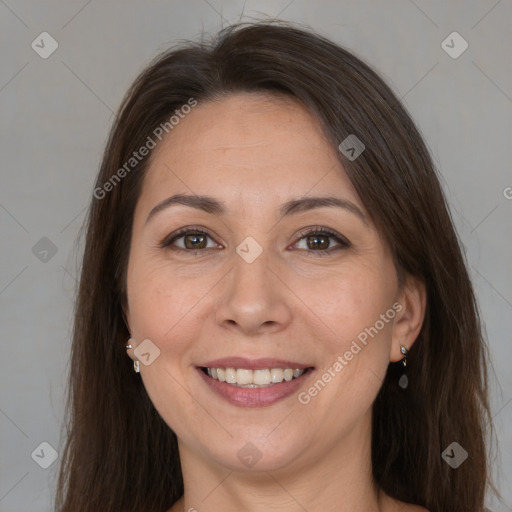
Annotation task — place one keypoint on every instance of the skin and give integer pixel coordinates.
(253, 153)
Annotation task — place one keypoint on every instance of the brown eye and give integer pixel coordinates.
(318, 242)
(189, 240)
(195, 241)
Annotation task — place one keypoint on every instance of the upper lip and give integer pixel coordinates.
(253, 364)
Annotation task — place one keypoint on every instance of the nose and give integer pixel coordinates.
(253, 299)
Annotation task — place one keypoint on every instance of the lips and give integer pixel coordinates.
(254, 396)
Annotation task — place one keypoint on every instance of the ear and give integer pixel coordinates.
(409, 319)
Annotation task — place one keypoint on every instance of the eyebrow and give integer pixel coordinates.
(204, 203)
(211, 205)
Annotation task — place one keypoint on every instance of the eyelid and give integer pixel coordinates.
(181, 232)
(310, 230)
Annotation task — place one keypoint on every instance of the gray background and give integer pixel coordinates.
(56, 113)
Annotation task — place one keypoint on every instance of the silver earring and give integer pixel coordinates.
(136, 365)
(404, 351)
(403, 382)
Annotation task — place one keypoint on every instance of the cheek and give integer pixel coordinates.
(164, 310)
(348, 303)
(357, 309)
(360, 318)
(160, 300)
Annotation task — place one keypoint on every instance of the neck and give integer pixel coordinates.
(337, 479)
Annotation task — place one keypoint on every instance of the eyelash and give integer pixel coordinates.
(316, 230)
(343, 243)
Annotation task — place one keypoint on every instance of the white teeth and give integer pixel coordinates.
(230, 375)
(243, 377)
(261, 377)
(276, 375)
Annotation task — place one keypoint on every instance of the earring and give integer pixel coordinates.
(136, 365)
(404, 351)
(403, 382)
(129, 345)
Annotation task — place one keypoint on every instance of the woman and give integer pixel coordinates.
(269, 243)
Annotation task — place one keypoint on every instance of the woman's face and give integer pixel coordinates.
(265, 274)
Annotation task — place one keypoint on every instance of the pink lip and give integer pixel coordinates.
(254, 397)
(253, 364)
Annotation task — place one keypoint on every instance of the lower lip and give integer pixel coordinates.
(254, 397)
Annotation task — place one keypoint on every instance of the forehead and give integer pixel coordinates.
(246, 145)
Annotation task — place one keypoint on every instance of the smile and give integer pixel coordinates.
(245, 378)
(254, 383)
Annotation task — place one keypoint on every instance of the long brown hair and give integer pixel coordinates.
(120, 455)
